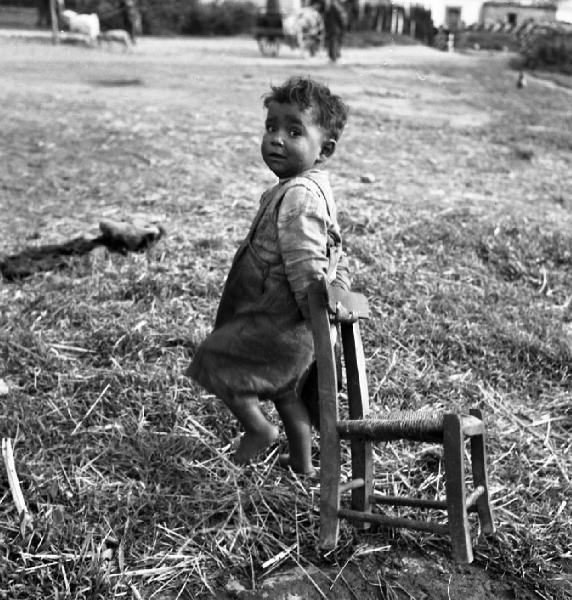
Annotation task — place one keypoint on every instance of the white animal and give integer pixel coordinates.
(84, 24)
(119, 36)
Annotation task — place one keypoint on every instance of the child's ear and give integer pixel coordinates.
(328, 148)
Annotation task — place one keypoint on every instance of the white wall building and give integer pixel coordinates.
(564, 11)
(453, 14)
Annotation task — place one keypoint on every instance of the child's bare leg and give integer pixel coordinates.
(259, 433)
(298, 429)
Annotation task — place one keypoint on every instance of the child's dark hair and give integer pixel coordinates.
(330, 112)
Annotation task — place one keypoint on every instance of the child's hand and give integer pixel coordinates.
(343, 315)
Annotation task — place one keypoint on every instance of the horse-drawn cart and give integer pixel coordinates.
(289, 23)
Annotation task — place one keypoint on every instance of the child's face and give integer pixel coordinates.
(292, 141)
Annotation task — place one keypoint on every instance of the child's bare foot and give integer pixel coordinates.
(251, 443)
(303, 469)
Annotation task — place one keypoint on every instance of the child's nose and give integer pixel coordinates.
(277, 139)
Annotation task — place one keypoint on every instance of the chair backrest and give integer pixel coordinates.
(332, 304)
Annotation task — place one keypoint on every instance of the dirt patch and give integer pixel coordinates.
(118, 82)
(408, 577)
(380, 78)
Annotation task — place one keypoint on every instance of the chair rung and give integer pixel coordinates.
(405, 425)
(421, 426)
(405, 501)
(474, 496)
(356, 515)
(352, 484)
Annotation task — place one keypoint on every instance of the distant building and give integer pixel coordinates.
(564, 11)
(515, 13)
(454, 14)
(457, 14)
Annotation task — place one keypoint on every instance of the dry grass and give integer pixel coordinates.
(463, 247)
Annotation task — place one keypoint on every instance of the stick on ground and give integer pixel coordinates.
(26, 520)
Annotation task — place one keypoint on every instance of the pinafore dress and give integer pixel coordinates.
(261, 345)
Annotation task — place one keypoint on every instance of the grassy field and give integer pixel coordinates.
(462, 243)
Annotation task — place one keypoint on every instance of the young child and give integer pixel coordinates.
(261, 347)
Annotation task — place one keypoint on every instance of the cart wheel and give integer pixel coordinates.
(269, 46)
(313, 46)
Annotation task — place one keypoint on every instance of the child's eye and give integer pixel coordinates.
(270, 128)
(295, 132)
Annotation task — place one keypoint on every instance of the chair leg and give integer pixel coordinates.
(453, 446)
(358, 399)
(479, 468)
(330, 453)
(330, 473)
(362, 468)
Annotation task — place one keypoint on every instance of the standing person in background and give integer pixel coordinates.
(132, 18)
(335, 22)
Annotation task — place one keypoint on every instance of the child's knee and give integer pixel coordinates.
(286, 399)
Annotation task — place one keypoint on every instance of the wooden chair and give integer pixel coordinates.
(344, 308)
